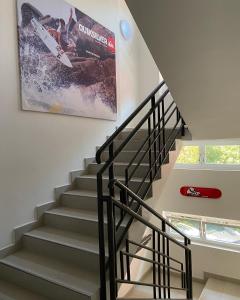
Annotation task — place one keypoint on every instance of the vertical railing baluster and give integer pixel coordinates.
(168, 270)
(164, 260)
(190, 275)
(159, 134)
(122, 266)
(111, 249)
(153, 101)
(111, 228)
(154, 264)
(101, 235)
(163, 130)
(182, 277)
(183, 128)
(150, 149)
(159, 267)
(128, 261)
(126, 183)
(188, 293)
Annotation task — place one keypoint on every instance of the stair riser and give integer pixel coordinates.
(136, 144)
(119, 170)
(79, 202)
(86, 227)
(41, 286)
(143, 134)
(126, 156)
(91, 184)
(86, 259)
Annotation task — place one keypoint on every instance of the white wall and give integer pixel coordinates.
(37, 150)
(228, 206)
(196, 45)
(206, 259)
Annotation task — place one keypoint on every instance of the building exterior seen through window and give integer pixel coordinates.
(206, 229)
(210, 154)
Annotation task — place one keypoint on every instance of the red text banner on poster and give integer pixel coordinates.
(200, 192)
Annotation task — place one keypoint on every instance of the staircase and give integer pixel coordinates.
(93, 221)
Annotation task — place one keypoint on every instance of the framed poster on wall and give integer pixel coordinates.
(67, 61)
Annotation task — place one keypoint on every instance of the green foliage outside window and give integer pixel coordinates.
(188, 227)
(189, 155)
(228, 154)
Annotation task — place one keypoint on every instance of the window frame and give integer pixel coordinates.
(203, 235)
(202, 162)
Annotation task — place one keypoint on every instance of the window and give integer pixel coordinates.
(187, 226)
(219, 154)
(189, 155)
(205, 229)
(210, 155)
(221, 233)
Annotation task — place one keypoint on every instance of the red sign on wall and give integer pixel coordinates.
(200, 192)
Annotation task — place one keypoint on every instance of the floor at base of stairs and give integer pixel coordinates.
(144, 292)
(10, 291)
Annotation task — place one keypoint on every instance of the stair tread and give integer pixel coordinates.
(88, 215)
(93, 176)
(80, 192)
(67, 238)
(53, 270)
(74, 213)
(86, 193)
(9, 291)
(118, 163)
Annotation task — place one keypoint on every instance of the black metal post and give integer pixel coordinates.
(154, 264)
(164, 260)
(163, 129)
(150, 149)
(188, 293)
(168, 270)
(159, 134)
(153, 102)
(128, 261)
(159, 267)
(183, 128)
(102, 262)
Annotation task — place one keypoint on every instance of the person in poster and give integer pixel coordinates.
(67, 61)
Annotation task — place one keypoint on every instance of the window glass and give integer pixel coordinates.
(222, 233)
(217, 154)
(188, 227)
(189, 155)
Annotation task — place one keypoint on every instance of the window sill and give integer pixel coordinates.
(214, 245)
(208, 167)
(218, 246)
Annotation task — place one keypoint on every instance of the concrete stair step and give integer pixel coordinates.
(143, 133)
(49, 277)
(9, 291)
(135, 144)
(75, 220)
(85, 200)
(89, 182)
(127, 156)
(65, 245)
(119, 169)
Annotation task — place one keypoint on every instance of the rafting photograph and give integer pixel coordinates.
(67, 61)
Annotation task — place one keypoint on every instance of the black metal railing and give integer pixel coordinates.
(122, 200)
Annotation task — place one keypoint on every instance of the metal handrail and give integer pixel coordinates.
(129, 119)
(156, 117)
(149, 209)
